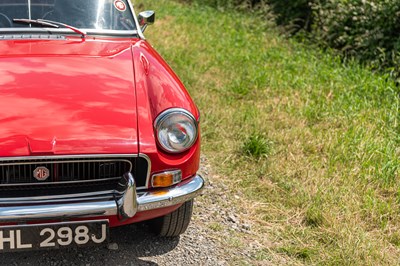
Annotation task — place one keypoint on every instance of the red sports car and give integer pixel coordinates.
(96, 130)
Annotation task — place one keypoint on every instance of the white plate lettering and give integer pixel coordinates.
(103, 235)
(47, 242)
(26, 237)
(65, 236)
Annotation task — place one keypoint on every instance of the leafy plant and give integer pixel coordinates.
(257, 145)
(366, 30)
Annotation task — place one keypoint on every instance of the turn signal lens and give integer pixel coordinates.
(166, 179)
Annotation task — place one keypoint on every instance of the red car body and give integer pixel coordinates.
(94, 96)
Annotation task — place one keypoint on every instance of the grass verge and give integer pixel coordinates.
(310, 143)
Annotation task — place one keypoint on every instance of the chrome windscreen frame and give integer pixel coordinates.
(105, 33)
(138, 29)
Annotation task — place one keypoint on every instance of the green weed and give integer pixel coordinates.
(301, 253)
(257, 146)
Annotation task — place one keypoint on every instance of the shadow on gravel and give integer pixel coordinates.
(135, 243)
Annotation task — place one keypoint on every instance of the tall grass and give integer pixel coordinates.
(311, 143)
(357, 29)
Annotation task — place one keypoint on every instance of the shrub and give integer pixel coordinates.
(296, 14)
(366, 30)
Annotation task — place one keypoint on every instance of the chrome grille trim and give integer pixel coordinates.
(64, 171)
(74, 161)
(85, 156)
(59, 183)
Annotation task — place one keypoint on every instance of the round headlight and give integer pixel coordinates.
(176, 130)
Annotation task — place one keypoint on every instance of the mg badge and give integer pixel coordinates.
(41, 173)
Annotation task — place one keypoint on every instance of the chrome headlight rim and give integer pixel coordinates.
(163, 116)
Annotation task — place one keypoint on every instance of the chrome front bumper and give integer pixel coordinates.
(126, 207)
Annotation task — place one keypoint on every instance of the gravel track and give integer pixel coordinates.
(135, 245)
(130, 245)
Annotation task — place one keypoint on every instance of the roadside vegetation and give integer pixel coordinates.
(365, 30)
(310, 145)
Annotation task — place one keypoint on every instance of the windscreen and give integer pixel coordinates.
(82, 14)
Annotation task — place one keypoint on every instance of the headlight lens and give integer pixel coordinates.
(176, 130)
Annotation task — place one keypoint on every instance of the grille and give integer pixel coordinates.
(64, 171)
(69, 175)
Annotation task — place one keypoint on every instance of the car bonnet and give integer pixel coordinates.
(67, 97)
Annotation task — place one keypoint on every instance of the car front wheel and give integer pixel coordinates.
(174, 223)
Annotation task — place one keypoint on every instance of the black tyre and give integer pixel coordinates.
(175, 223)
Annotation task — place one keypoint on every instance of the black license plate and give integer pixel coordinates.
(53, 236)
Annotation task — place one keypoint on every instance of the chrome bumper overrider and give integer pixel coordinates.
(126, 207)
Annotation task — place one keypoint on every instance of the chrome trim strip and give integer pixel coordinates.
(126, 208)
(147, 158)
(54, 198)
(138, 29)
(73, 156)
(75, 161)
(38, 202)
(29, 11)
(60, 183)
